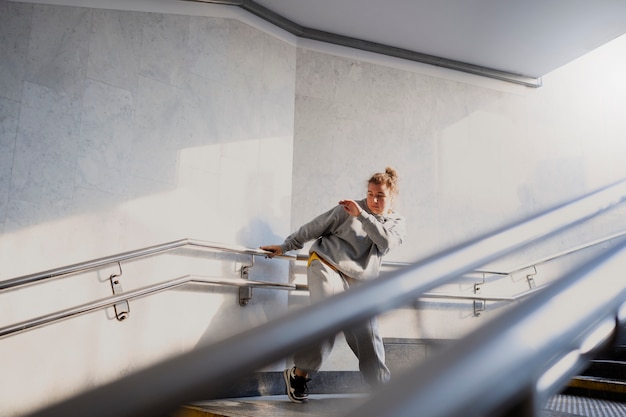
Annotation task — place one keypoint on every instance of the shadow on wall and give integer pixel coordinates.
(265, 304)
(98, 105)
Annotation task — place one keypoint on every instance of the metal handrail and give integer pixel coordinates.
(536, 262)
(527, 265)
(524, 294)
(130, 295)
(559, 254)
(199, 244)
(195, 279)
(205, 371)
(510, 298)
(533, 349)
(515, 297)
(125, 256)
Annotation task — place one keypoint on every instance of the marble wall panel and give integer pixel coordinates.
(59, 48)
(105, 145)
(202, 111)
(207, 52)
(315, 76)
(277, 101)
(313, 179)
(9, 113)
(15, 25)
(246, 47)
(46, 146)
(240, 107)
(164, 47)
(115, 48)
(157, 130)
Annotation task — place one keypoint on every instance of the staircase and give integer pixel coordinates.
(319, 405)
(605, 378)
(329, 405)
(600, 391)
(469, 377)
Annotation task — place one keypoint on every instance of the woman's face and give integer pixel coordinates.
(378, 198)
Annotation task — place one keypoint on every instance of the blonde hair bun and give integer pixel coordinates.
(388, 178)
(391, 172)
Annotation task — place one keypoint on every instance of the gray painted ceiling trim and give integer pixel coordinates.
(332, 38)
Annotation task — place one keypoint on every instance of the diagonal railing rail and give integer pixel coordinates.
(515, 364)
(131, 295)
(29, 279)
(94, 305)
(50, 274)
(203, 372)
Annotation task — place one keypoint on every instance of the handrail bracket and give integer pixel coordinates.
(245, 293)
(479, 304)
(531, 278)
(122, 308)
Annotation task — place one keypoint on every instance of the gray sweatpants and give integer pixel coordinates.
(364, 339)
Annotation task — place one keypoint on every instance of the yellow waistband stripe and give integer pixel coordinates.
(314, 256)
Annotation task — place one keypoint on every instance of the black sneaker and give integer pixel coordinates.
(296, 386)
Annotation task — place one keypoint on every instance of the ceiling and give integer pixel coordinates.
(516, 40)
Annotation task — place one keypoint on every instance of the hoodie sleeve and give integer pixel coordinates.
(319, 226)
(387, 232)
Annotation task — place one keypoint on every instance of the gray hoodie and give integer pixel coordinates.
(353, 245)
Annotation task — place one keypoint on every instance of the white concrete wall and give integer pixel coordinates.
(126, 128)
(146, 121)
(473, 154)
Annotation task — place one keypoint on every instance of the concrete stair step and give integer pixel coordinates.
(597, 387)
(319, 405)
(607, 368)
(334, 405)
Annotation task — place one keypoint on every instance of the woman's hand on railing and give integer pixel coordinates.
(274, 250)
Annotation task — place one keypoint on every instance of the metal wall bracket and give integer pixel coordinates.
(479, 305)
(122, 309)
(531, 278)
(245, 293)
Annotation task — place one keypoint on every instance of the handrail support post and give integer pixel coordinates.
(479, 305)
(122, 308)
(531, 278)
(245, 293)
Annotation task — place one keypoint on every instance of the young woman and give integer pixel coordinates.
(350, 242)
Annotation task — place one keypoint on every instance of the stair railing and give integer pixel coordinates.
(203, 372)
(124, 297)
(513, 365)
(106, 302)
(131, 295)
(40, 277)
(125, 256)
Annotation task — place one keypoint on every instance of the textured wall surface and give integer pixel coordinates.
(126, 128)
(473, 156)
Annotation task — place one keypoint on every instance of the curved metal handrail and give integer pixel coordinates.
(559, 254)
(527, 265)
(533, 349)
(196, 279)
(204, 371)
(204, 245)
(536, 262)
(130, 295)
(125, 256)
